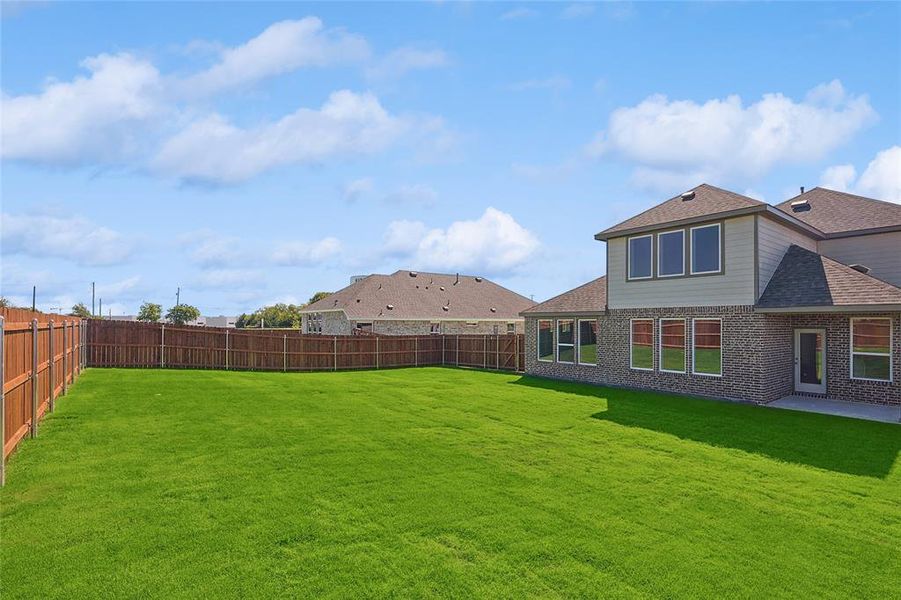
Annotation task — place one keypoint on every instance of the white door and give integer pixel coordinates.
(810, 360)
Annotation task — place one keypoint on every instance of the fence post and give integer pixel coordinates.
(376, 352)
(458, 350)
(2, 404)
(65, 357)
(484, 351)
(285, 354)
(516, 352)
(162, 345)
(34, 378)
(52, 370)
(416, 351)
(335, 353)
(226, 349)
(497, 353)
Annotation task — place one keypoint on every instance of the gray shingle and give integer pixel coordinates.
(590, 297)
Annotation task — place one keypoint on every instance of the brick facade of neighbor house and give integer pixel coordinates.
(757, 351)
(418, 327)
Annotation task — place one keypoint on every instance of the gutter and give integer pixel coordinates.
(844, 308)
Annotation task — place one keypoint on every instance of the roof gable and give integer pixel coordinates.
(590, 297)
(420, 296)
(708, 201)
(835, 212)
(807, 279)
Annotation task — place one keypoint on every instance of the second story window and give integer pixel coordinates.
(705, 249)
(640, 256)
(671, 253)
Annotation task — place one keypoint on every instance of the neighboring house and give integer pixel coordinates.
(220, 321)
(712, 293)
(408, 302)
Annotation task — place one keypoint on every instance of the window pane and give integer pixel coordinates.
(872, 335)
(705, 249)
(871, 367)
(567, 354)
(545, 340)
(588, 342)
(640, 257)
(671, 250)
(672, 345)
(708, 351)
(643, 344)
(564, 332)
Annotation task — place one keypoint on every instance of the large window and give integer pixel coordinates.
(642, 344)
(705, 249)
(672, 345)
(546, 341)
(566, 348)
(640, 257)
(707, 347)
(671, 253)
(871, 349)
(588, 342)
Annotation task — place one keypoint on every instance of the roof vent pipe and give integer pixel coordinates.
(688, 196)
(802, 189)
(457, 280)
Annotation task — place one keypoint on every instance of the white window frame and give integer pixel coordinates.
(691, 244)
(578, 339)
(558, 344)
(891, 363)
(433, 330)
(684, 344)
(629, 257)
(659, 246)
(631, 331)
(722, 354)
(538, 341)
(511, 328)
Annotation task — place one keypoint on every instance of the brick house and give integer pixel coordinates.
(414, 303)
(715, 294)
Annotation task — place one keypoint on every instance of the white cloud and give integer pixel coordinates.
(418, 194)
(229, 278)
(96, 118)
(492, 244)
(881, 179)
(304, 254)
(556, 83)
(118, 288)
(354, 190)
(281, 48)
(209, 249)
(71, 238)
(403, 60)
(579, 10)
(213, 150)
(519, 13)
(723, 139)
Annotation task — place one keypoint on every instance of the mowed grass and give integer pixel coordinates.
(439, 482)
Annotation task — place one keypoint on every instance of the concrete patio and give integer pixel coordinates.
(854, 410)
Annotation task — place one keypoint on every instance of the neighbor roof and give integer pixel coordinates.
(805, 279)
(708, 201)
(588, 298)
(838, 212)
(421, 296)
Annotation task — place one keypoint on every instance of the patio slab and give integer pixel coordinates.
(854, 410)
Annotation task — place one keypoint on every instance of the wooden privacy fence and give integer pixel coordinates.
(130, 344)
(41, 355)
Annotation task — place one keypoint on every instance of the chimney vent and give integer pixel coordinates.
(802, 189)
(861, 268)
(800, 206)
(686, 196)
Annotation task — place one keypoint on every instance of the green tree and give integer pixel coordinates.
(277, 315)
(318, 296)
(150, 312)
(4, 303)
(80, 310)
(182, 313)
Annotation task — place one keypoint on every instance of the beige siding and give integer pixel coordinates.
(773, 240)
(881, 252)
(734, 287)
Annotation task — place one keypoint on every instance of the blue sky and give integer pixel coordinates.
(254, 153)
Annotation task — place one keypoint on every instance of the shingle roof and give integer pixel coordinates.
(590, 297)
(707, 202)
(424, 296)
(837, 212)
(808, 279)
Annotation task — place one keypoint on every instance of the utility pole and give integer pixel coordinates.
(92, 299)
(101, 308)
(34, 295)
(178, 296)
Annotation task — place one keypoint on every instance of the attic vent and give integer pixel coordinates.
(445, 308)
(492, 309)
(686, 196)
(390, 307)
(358, 299)
(478, 280)
(862, 268)
(800, 206)
(441, 288)
(413, 273)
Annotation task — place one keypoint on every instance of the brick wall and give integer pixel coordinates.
(336, 323)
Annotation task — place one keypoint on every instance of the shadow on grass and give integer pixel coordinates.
(827, 442)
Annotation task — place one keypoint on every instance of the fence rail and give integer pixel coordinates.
(41, 355)
(149, 345)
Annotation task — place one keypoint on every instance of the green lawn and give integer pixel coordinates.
(441, 482)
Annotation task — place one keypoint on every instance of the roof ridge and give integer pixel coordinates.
(578, 287)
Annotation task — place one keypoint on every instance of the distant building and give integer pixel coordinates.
(412, 303)
(202, 321)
